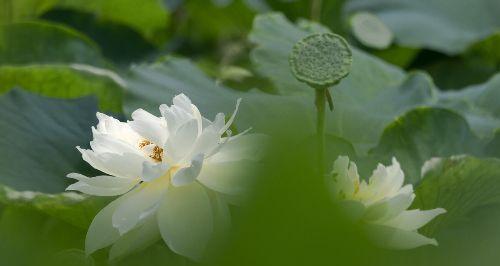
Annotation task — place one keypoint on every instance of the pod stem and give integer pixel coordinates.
(316, 10)
(321, 98)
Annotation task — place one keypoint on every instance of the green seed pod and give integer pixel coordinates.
(321, 60)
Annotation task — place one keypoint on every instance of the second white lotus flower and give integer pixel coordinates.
(176, 173)
(382, 204)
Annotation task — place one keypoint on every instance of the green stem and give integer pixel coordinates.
(316, 10)
(320, 126)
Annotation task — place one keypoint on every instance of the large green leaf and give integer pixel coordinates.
(468, 188)
(148, 86)
(361, 113)
(442, 25)
(460, 185)
(148, 17)
(37, 42)
(478, 104)
(38, 141)
(70, 207)
(65, 81)
(422, 134)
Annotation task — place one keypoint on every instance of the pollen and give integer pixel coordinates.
(156, 154)
(144, 143)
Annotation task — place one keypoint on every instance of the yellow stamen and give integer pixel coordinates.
(144, 143)
(157, 153)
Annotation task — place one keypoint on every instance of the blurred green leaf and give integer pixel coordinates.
(73, 208)
(18, 10)
(292, 219)
(157, 254)
(37, 42)
(470, 242)
(65, 81)
(478, 104)
(39, 136)
(148, 17)
(493, 147)
(233, 20)
(397, 55)
(32, 238)
(422, 134)
(454, 73)
(487, 49)
(118, 42)
(475, 65)
(442, 25)
(460, 185)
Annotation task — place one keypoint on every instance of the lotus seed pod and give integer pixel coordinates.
(321, 60)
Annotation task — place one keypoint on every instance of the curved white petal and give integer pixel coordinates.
(185, 220)
(197, 115)
(396, 177)
(393, 238)
(150, 127)
(139, 204)
(179, 113)
(115, 128)
(344, 177)
(233, 178)
(127, 165)
(101, 185)
(101, 232)
(182, 101)
(221, 213)
(378, 183)
(231, 119)
(219, 121)
(137, 239)
(206, 143)
(245, 147)
(180, 143)
(386, 181)
(152, 171)
(414, 219)
(388, 208)
(105, 143)
(188, 174)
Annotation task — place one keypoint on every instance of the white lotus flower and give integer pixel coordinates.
(176, 173)
(382, 204)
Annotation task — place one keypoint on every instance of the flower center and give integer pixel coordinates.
(156, 153)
